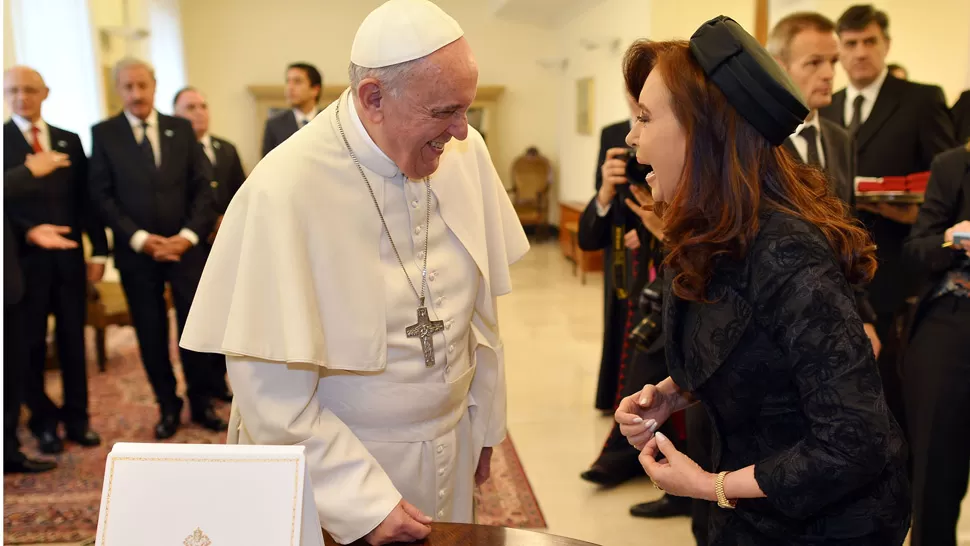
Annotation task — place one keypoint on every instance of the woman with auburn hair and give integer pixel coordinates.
(760, 319)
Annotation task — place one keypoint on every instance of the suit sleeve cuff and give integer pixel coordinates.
(190, 236)
(602, 211)
(101, 260)
(137, 241)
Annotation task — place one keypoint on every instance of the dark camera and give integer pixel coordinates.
(651, 305)
(635, 172)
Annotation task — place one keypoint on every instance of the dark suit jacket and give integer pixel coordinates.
(840, 169)
(947, 203)
(227, 174)
(278, 128)
(839, 159)
(783, 367)
(15, 186)
(131, 194)
(62, 197)
(961, 117)
(908, 126)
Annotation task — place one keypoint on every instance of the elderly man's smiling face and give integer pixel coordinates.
(429, 110)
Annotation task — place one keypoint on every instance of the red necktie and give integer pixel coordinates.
(35, 133)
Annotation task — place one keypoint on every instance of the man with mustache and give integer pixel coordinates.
(150, 182)
(898, 127)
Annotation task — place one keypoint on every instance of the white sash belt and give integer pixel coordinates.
(382, 411)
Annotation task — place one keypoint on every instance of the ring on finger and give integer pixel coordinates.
(656, 485)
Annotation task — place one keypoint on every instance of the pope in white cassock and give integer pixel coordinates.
(353, 288)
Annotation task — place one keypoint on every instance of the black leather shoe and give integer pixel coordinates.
(666, 507)
(168, 425)
(208, 419)
(610, 477)
(49, 443)
(84, 437)
(28, 466)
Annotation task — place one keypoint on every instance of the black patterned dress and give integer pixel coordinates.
(782, 365)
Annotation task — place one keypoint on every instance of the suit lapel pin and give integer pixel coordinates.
(169, 133)
(62, 144)
(215, 144)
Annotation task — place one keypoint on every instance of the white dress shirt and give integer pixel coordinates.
(870, 92)
(137, 241)
(210, 152)
(302, 118)
(44, 134)
(802, 145)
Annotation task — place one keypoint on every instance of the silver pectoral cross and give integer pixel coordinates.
(426, 329)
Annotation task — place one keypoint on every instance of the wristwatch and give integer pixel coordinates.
(722, 500)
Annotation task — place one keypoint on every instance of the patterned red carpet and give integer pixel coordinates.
(62, 505)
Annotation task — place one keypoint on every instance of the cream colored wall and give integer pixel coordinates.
(9, 48)
(231, 44)
(627, 21)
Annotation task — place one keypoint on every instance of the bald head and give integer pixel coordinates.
(24, 90)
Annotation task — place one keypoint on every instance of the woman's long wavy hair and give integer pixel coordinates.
(731, 172)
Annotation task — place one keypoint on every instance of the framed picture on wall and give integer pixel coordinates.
(584, 106)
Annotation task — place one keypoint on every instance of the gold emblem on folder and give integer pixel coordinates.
(197, 538)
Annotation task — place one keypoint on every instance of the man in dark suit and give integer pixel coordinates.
(961, 117)
(226, 175)
(806, 47)
(304, 83)
(20, 182)
(149, 181)
(56, 279)
(898, 127)
(937, 360)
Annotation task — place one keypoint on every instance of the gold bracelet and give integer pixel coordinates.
(722, 499)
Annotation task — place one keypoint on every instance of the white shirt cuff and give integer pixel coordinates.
(189, 235)
(98, 260)
(602, 211)
(137, 241)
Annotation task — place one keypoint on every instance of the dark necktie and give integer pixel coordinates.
(809, 133)
(146, 145)
(856, 121)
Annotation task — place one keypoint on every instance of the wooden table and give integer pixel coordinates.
(460, 534)
(569, 213)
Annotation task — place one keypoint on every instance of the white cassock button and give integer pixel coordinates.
(431, 276)
(451, 349)
(448, 325)
(414, 204)
(441, 494)
(417, 230)
(441, 514)
(421, 255)
(440, 302)
(441, 472)
(441, 449)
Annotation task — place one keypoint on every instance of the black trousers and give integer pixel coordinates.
(14, 362)
(889, 363)
(937, 367)
(645, 369)
(55, 283)
(143, 280)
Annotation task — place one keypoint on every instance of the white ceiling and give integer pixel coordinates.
(544, 13)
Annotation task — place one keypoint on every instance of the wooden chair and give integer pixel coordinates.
(106, 306)
(531, 180)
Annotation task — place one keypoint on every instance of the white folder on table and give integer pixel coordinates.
(207, 495)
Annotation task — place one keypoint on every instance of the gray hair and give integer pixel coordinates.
(393, 78)
(130, 62)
